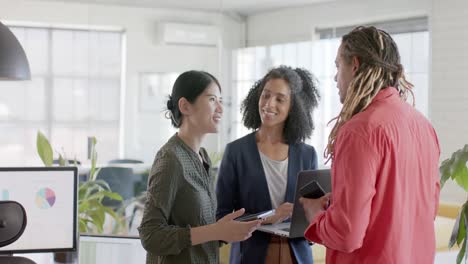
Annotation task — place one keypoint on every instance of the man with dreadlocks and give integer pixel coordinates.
(385, 154)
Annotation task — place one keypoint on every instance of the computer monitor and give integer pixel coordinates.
(49, 196)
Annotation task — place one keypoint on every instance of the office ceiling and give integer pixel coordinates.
(242, 7)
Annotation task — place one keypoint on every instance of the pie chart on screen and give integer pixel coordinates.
(45, 198)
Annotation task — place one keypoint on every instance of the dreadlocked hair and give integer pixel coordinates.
(379, 68)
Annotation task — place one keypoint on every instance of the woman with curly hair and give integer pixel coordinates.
(258, 171)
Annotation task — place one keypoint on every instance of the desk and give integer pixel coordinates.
(100, 250)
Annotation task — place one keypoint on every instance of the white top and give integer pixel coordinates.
(276, 172)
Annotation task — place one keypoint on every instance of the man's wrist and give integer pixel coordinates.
(316, 216)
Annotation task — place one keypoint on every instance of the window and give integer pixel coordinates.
(74, 92)
(318, 57)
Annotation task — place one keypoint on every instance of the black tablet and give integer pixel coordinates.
(250, 217)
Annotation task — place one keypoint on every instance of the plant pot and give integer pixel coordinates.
(68, 257)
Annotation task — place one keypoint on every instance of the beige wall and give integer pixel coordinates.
(298, 24)
(449, 78)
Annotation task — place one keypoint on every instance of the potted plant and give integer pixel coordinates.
(455, 168)
(91, 212)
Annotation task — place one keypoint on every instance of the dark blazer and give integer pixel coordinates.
(242, 184)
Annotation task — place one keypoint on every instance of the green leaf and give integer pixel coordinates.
(83, 226)
(462, 229)
(445, 172)
(461, 253)
(111, 213)
(93, 159)
(44, 149)
(461, 177)
(460, 222)
(83, 207)
(465, 211)
(96, 173)
(81, 192)
(455, 168)
(97, 215)
(61, 160)
(102, 184)
(101, 194)
(90, 187)
(112, 195)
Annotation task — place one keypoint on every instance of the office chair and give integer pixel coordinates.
(120, 180)
(12, 224)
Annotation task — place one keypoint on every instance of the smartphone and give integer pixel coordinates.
(312, 190)
(251, 217)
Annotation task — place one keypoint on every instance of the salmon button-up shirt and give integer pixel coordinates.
(385, 187)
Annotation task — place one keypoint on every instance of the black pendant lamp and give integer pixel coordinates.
(13, 62)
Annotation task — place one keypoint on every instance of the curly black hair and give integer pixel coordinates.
(304, 99)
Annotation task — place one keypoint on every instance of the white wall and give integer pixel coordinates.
(142, 135)
(449, 98)
(298, 24)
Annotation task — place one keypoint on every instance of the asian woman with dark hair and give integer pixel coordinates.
(179, 223)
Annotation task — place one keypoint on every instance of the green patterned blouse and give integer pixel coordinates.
(180, 195)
